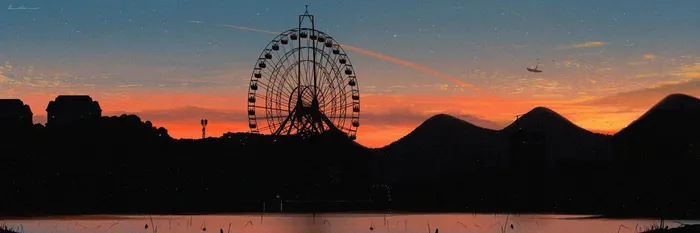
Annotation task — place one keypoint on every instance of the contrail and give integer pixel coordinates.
(249, 29)
(408, 64)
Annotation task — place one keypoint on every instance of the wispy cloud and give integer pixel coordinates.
(649, 56)
(689, 71)
(129, 85)
(588, 44)
(685, 72)
(645, 98)
(13, 77)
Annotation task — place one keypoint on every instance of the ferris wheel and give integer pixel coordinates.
(303, 83)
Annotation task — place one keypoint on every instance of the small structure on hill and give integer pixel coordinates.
(70, 108)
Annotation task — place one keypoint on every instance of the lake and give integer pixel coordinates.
(335, 223)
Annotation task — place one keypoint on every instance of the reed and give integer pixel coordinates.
(504, 227)
(154, 227)
(6, 229)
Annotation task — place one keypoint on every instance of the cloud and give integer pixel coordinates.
(588, 44)
(686, 72)
(130, 85)
(28, 78)
(651, 75)
(689, 71)
(649, 56)
(646, 98)
(637, 63)
(13, 77)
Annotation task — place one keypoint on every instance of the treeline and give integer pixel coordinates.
(121, 164)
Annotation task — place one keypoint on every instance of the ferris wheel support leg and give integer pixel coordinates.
(328, 122)
(286, 120)
(317, 121)
(310, 121)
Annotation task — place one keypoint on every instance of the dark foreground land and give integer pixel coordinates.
(122, 165)
(681, 229)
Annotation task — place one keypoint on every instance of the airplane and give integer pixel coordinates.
(535, 70)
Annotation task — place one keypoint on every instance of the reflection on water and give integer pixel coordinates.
(335, 223)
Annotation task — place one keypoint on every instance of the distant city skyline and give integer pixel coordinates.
(604, 63)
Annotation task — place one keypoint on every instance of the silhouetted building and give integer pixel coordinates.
(14, 113)
(70, 108)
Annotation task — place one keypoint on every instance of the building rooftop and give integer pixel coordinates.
(73, 102)
(13, 107)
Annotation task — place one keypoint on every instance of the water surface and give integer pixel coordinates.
(335, 223)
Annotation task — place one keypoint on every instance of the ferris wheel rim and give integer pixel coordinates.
(353, 116)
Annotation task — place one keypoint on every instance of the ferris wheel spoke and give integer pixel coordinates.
(346, 106)
(272, 117)
(329, 90)
(338, 81)
(286, 84)
(268, 108)
(285, 89)
(279, 76)
(334, 111)
(325, 82)
(337, 97)
(330, 62)
(309, 62)
(282, 110)
(308, 70)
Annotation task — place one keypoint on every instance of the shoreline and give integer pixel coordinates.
(128, 215)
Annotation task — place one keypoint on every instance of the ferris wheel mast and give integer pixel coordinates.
(313, 112)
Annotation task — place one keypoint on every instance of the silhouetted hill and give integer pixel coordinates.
(668, 131)
(563, 140)
(444, 144)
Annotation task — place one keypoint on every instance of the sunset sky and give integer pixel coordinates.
(604, 62)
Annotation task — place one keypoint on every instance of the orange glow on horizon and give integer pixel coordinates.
(381, 124)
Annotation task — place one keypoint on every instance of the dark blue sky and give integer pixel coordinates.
(453, 36)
